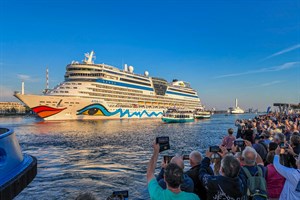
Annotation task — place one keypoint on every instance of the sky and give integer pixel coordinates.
(230, 49)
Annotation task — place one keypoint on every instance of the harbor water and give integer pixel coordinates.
(105, 155)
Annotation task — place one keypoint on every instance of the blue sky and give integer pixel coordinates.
(248, 50)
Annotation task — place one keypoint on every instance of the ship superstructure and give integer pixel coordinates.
(101, 91)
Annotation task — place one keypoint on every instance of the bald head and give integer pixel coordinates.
(195, 158)
(178, 161)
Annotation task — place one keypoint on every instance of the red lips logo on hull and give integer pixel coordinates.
(46, 111)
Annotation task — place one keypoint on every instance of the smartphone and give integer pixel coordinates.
(186, 157)
(282, 145)
(239, 143)
(120, 195)
(167, 159)
(214, 149)
(163, 143)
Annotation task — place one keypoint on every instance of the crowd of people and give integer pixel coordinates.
(260, 162)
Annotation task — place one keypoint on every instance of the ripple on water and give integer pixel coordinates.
(103, 156)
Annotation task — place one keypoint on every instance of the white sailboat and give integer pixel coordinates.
(236, 109)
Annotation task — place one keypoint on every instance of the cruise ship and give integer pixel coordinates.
(101, 91)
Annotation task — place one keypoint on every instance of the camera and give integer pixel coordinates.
(163, 143)
(167, 159)
(118, 195)
(214, 149)
(239, 143)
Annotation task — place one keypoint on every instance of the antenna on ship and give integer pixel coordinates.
(236, 102)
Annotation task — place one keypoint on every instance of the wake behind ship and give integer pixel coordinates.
(100, 91)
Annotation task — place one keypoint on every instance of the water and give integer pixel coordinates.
(105, 155)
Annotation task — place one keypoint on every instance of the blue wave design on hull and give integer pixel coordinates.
(118, 111)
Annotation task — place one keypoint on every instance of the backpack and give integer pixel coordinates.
(256, 185)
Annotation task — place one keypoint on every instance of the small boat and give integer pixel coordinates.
(177, 116)
(236, 109)
(17, 170)
(202, 114)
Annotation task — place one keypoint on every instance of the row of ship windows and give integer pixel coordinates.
(117, 88)
(137, 82)
(111, 72)
(134, 99)
(67, 87)
(183, 91)
(110, 77)
(60, 91)
(118, 91)
(114, 92)
(71, 83)
(160, 85)
(55, 102)
(83, 74)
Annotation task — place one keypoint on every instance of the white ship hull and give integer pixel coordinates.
(237, 112)
(76, 108)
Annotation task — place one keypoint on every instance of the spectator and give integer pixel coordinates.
(173, 177)
(279, 138)
(187, 185)
(295, 143)
(228, 140)
(291, 188)
(260, 148)
(252, 161)
(240, 125)
(284, 157)
(266, 137)
(239, 157)
(228, 185)
(274, 180)
(216, 164)
(253, 166)
(193, 173)
(291, 151)
(249, 134)
(273, 146)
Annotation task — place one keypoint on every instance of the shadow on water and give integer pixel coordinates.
(105, 155)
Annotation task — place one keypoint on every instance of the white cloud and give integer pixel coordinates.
(297, 46)
(285, 66)
(27, 78)
(270, 83)
(267, 84)
(24, 77)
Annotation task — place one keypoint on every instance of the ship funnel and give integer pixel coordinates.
(125, 67)
(89, 57)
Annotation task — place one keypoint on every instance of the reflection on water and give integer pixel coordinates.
(105, 155)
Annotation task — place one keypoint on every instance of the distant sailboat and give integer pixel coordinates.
(236, 109)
